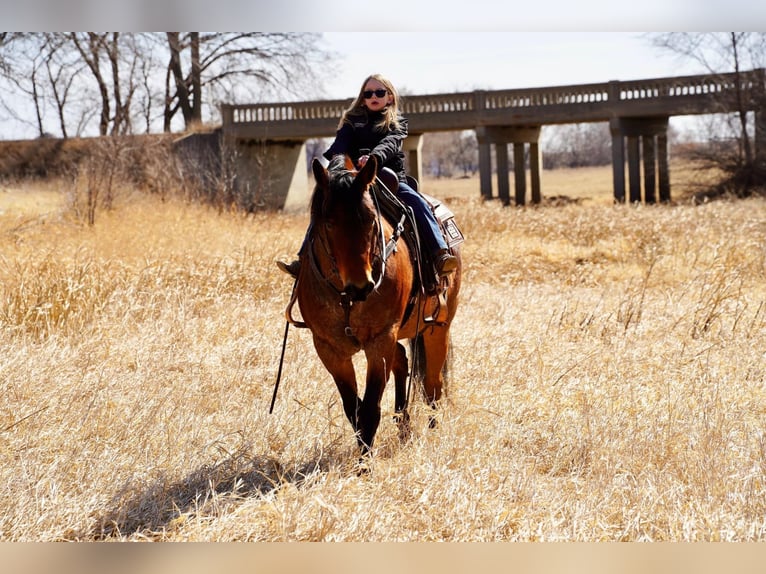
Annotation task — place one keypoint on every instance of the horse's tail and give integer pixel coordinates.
(418, 354)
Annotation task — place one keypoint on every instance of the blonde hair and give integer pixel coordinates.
(390, 115)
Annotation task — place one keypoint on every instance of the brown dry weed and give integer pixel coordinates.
(607, 380)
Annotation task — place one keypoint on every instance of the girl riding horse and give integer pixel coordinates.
(373, 127)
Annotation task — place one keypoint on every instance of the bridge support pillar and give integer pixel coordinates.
(760, 138)
(760, 122)
(270, 174)
(535, 166)
(647, 137)
(413, 151)
(501, 137)
(485, 166)
(519, 173)
(247, 173)
(501, 159)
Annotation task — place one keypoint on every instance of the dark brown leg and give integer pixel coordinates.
(401, 371)
(342, 371)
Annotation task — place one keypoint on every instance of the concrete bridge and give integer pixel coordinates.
(637, 112)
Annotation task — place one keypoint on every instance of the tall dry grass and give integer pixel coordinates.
(607, 381)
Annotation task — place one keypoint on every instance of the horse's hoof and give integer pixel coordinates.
(401, 417)
(364, 465)
(402, 421)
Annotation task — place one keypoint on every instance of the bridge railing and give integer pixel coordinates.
(554, 96)
(497, 100)
(439, 103)
(282, 112)
(707, 84)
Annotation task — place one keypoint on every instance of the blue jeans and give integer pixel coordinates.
(428, 228)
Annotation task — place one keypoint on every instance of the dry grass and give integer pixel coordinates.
(607, 382)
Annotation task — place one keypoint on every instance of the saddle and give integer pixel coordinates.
(427, 280)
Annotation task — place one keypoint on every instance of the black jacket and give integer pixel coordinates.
(361, 134)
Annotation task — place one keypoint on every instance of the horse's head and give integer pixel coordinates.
(344, 214)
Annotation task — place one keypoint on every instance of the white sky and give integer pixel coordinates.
(428, 46)
(440, 61)
(431, 62)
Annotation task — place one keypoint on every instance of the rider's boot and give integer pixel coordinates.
(444, 262)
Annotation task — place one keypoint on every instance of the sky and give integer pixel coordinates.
(434, 62)
(447, 61)
(443, 61)
(425, 46)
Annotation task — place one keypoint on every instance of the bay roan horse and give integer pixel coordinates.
(353, 298)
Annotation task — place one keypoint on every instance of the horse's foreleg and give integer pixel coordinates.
(380, 359)
(342, 370)
(351, 402)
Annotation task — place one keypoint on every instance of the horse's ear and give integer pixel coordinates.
(367, 174)
(320, 173)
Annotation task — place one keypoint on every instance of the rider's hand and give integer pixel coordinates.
(363, 160)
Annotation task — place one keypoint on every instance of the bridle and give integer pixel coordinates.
(380, 250)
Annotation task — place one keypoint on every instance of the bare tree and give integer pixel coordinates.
(727, 52)
(444, 153)
(63, 74)
(23, 66)
(6, 38)
(114, 61)
(63, 70)
(577, 145)
(223, 63)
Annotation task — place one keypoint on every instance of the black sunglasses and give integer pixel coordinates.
(378, 93)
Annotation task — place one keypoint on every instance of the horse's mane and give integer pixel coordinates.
(337, 164)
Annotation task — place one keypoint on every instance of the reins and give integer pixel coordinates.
(281, 357)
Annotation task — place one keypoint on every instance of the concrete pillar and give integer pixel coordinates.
(663, 167)
(519, 173)
(503, 187)
(485, 170)
(618, 160)
(760, 121)
(535, 164)
(634, 169)
(273, 174)
(485, 162)
(257, 175)
(501, 136)
(650, 195)
(760, 137)
(640, 131)
(413, 151)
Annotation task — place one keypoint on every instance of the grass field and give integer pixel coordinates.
(608, 378)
